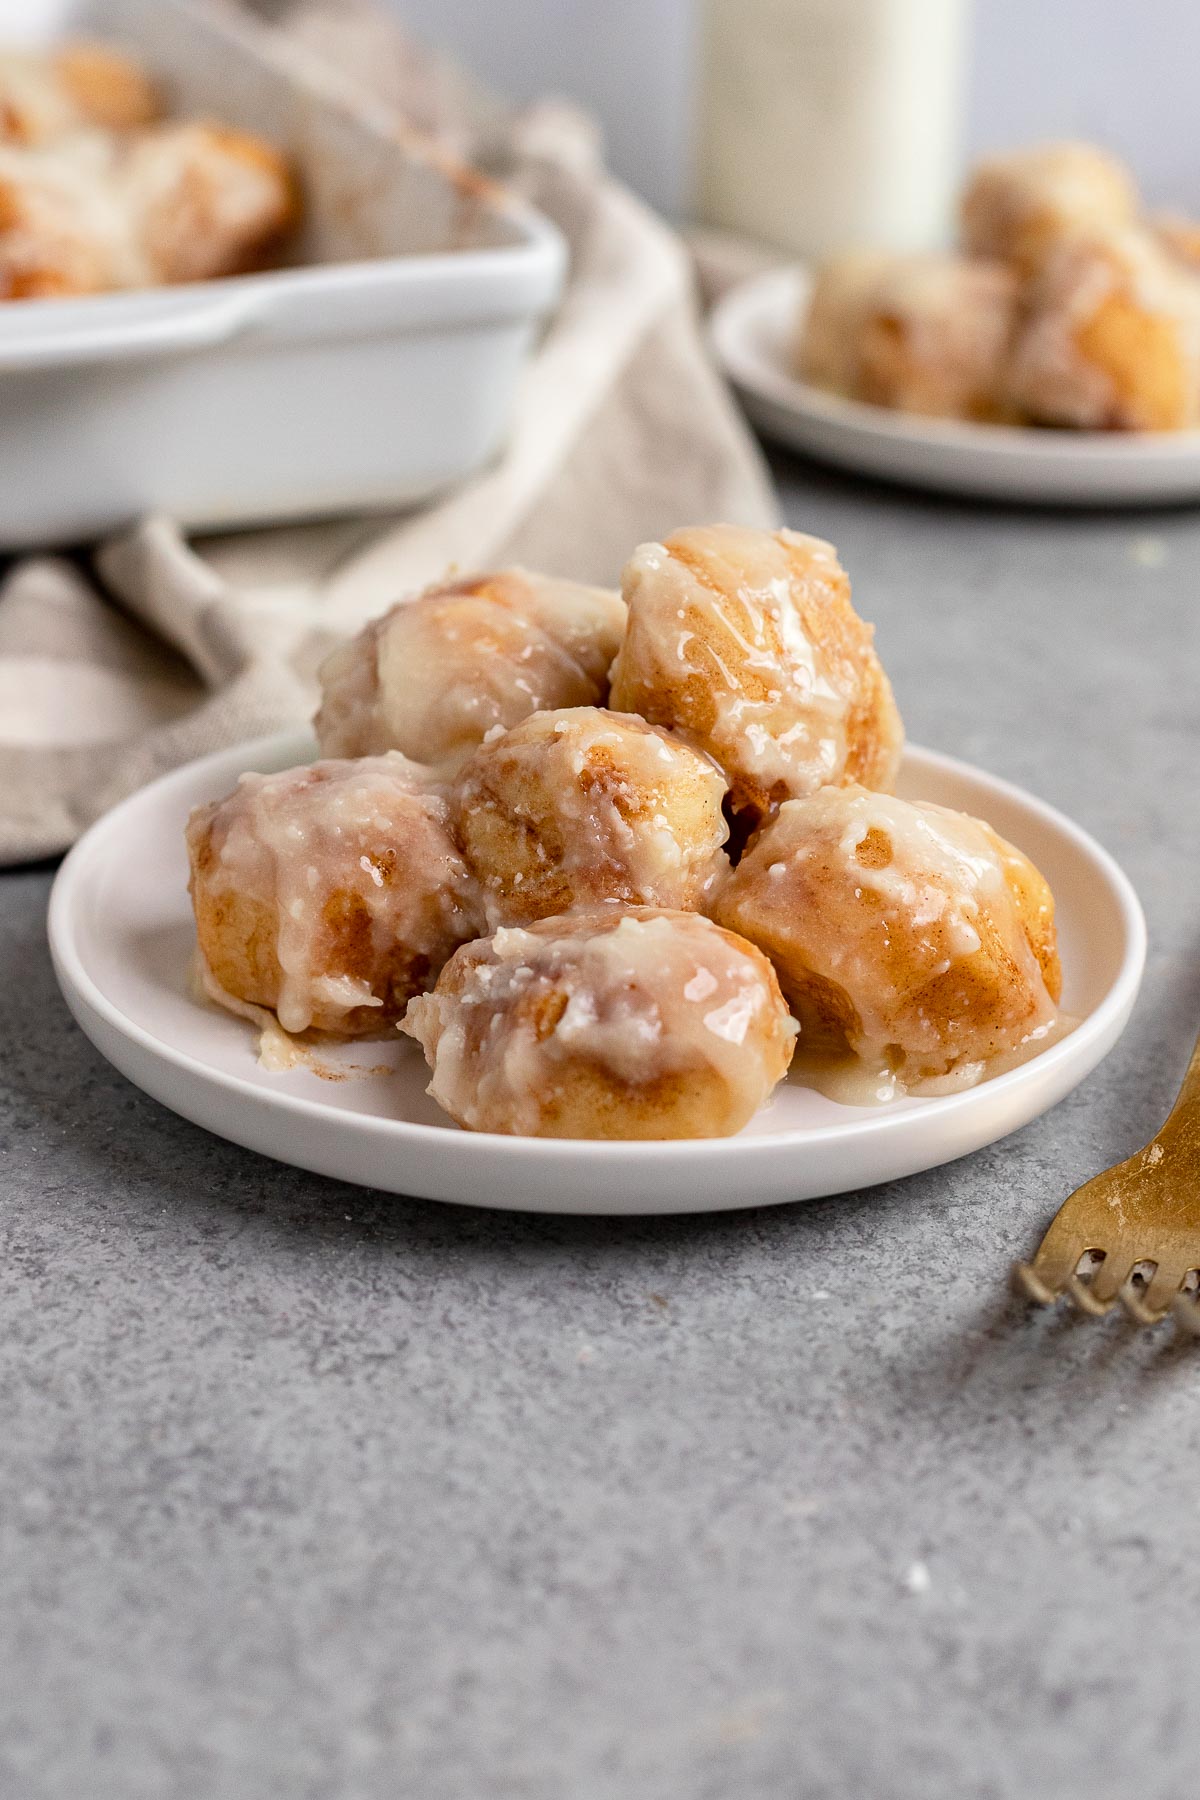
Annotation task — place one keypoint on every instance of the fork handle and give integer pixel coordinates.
(1183, 1122)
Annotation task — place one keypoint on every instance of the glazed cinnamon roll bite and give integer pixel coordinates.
(912, 935)
(615, 1024)
(206, 200)
(1111, 339)
(745, 643)
(925, 334)
(46, 97)
(436, 674)
(63, 228)
(179, 203)
(329, 894)
(1018, 207)
(580, 806)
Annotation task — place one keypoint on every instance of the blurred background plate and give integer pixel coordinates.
(753, 329)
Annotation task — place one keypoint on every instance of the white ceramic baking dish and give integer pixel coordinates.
(377, 369)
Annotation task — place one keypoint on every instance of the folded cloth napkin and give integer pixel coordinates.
(156, 649)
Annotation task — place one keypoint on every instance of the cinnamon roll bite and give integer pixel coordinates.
(615, 1024)
(64, 229)
(580, 806)
(206, 200)
(436, 674)
(914, 936)
(178, 203)
(329, 894)
(44, 97)
(1019, 206)
(924, 334)
(746, 645)
(1111, 338)
(1179, 236)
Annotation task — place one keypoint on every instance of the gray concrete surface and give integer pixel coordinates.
(307, 1493)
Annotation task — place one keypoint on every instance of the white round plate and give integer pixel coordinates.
(752, 331)
(121, 936)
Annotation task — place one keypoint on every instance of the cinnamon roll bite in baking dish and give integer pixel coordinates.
(745, 643)
(434, 675)
(176, 203)
(99, 193)
(629, 1023)
(329, 894)
(69, 89)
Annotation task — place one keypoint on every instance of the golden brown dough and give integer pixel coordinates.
(106, 88)
(578, 806)
(1111, 339)
(911, 933)
(1179, 236)
(1018, 207)
(178, 203)
(924, 334)
(207, 200)
(618, 1024)
(436, 674)
(331, 894)
(49, 97)
(63, 230)
(745, 642)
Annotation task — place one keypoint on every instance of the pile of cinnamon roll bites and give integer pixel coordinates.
(607, 857)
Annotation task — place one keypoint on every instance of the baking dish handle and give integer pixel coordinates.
(72, 334)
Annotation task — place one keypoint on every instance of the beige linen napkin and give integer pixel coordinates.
(158, 649)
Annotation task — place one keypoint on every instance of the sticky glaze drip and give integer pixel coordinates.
(746, 643)
(351, 870)
(437, 675)
(908, 930)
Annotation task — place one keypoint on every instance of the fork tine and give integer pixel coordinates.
(1186, 1312)
(1154, 1303)
(1112, 1276)
(1081, 1293)
(1054, 1262)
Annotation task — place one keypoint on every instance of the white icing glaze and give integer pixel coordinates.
(372, 833)
(909, 912)
(583, 805)
(633, 1000)
(745, 642)
(437, 675)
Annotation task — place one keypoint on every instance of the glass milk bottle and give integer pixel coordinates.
(823, 124)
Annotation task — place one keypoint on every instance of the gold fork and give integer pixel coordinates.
(1142, 1220)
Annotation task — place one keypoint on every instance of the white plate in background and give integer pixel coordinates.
(753, 329)
(122, 939)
